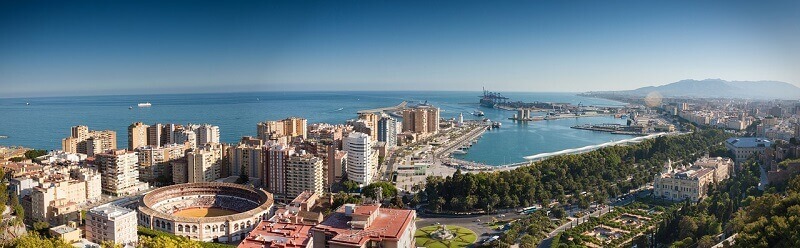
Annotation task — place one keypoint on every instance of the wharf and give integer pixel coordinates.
(400, 106)
(610, 128)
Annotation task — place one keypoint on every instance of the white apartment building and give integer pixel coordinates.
(184, 136)
(206, 133)
(362, 159)
(111, 223)
(205, 164)
(120, 172)
(154, 161)
(303, 173)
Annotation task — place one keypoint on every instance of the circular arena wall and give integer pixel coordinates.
(238, 209)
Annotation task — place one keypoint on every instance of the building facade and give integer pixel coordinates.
(154, 162)
(387, 131)
(204, 164)
(746, 147)
(120, 172)
(303, 173)
(362, 159)
(137, 135)
(111, 223)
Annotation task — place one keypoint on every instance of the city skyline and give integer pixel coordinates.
(119, 48)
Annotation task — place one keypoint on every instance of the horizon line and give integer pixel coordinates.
(268, 91)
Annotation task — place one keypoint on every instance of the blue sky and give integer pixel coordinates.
(132, 47)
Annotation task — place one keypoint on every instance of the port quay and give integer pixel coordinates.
(477, 166)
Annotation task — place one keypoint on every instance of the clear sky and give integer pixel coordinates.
(133, 47)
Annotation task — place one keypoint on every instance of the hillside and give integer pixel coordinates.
(718, 88)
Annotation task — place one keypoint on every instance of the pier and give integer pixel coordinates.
(610, 128)
(400, 106)
(466, 139)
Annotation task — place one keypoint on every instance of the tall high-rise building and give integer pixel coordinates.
(184, 136)
(422, 119)
(119, 171)
(204, 164)
(365, 127)
(276, 159)
(81, 140)
(246, 159)
(154, 162)
(362, 159)
(387, 131)
(326, 151)
(206, 134)
(371, 121)
(154, 135)
(283, 131)
(303, 173)
(137, 135)
(180, 171)
(168, 133)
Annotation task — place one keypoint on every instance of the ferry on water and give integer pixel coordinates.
(144, 104)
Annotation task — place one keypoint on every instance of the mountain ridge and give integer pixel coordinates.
(718, 88)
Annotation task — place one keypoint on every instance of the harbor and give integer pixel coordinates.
(552, 111)
(611, 128)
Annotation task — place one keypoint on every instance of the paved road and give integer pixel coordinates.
(481, 228)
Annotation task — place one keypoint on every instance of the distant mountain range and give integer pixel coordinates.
(718, 88)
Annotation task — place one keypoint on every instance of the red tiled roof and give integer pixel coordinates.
(271, 234)
(387, 224)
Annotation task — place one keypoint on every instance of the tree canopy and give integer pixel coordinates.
(575, 179)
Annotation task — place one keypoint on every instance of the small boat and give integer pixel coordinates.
(129, 107)
(496, 124)
(339, 109)
(461, 152)
(478, 113)
(27, 103)
(3, 137)
(144, 104)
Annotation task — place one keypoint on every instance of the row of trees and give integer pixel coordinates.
(574, 179)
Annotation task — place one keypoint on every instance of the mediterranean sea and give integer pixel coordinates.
(47, 120)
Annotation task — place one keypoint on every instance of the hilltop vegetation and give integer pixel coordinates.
(771, 220)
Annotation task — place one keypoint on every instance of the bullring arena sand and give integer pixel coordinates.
(203, 212)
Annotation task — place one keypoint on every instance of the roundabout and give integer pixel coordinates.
(444, 236)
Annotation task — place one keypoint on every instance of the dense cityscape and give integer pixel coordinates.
(399, 124)
(375, 179)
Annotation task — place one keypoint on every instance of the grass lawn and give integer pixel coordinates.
(463, 237)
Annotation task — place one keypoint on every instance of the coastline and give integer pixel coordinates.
(474, 167)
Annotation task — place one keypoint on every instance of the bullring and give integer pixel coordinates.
(211, 212)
